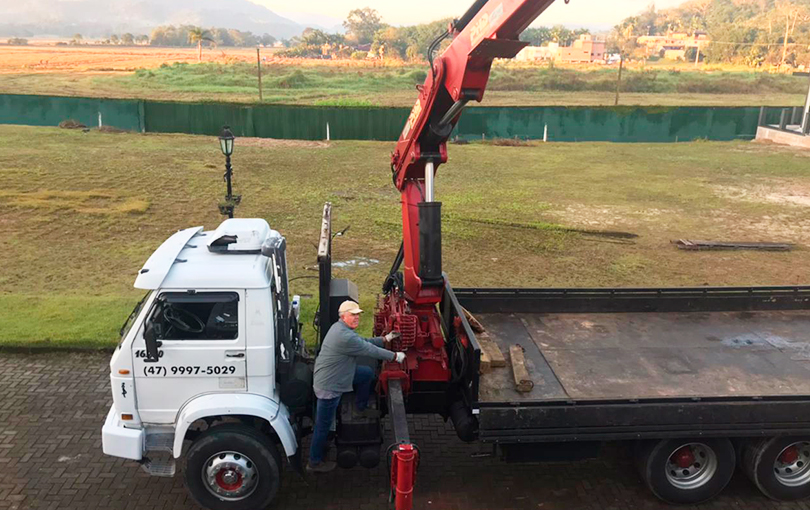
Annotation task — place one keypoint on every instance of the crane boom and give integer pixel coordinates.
(489, 29)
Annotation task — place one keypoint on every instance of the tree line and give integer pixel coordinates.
(366, 33)
(541, 36)
(751, 32)
(126, 39)
(183, 36)
(171, 35)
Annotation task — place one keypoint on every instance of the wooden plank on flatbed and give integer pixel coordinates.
(474, 324)
(485, 364)
(523, 382)
(494, 353)
(498, 385)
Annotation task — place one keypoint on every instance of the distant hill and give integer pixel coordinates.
(100, 18)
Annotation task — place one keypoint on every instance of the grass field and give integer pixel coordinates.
(230, 76)
(81, 212)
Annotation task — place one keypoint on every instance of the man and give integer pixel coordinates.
(336, 372)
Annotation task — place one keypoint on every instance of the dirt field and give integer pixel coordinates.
(101, 59)
(112, 59)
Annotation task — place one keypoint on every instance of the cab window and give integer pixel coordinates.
(200, 316)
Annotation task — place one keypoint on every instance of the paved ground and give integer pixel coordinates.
(52, 408)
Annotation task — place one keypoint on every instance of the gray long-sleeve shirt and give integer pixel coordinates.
(336, 363)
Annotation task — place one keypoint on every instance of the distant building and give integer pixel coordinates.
(673, 45)
(539, 53)
(586, 49)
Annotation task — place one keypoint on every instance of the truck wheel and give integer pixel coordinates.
(779, 466)
(233, 467)
(686, 471)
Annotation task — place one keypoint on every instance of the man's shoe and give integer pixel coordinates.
(323, 467)
(367, 413)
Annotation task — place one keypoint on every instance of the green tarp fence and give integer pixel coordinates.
(585, 123)
(51, 110)
(612, 124)
(276, 121)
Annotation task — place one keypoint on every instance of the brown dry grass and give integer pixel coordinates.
(101, 59)
(91, 59)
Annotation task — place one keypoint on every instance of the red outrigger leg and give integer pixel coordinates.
(403, 473)
(404, 454)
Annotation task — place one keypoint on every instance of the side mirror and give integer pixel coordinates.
(151, 333)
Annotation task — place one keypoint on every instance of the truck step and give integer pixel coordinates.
(159, 466)
(159, 440)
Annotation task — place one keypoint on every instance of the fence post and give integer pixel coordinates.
(259, 72)
(783, 119)
(763, 110)
(796, 117)
(141, 116)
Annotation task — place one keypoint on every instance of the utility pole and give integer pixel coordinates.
(619, 80)
(259, 67)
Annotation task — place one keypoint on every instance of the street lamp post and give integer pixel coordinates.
(226, 139)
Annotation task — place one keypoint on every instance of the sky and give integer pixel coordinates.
(410, 12)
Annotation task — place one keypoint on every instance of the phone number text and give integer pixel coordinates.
(162, 371)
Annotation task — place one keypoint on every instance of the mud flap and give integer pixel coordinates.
(296, 462)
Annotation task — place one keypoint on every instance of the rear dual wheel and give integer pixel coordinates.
(686, 471)
(778, 466)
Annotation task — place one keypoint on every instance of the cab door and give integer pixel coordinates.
(202, 350)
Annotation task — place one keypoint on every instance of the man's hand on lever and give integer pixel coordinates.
(390, 337)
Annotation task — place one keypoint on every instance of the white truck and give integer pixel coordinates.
(207, 356)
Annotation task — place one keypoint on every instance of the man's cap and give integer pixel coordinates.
(349, 306)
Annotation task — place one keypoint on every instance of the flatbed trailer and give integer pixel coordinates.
(693, 365)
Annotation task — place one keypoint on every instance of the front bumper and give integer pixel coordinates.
(119, 441)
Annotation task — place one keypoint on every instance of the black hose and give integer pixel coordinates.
(316, 324)
(432, 49)
(391, 281)
(469, 15)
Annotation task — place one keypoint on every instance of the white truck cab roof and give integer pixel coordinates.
(229, 257)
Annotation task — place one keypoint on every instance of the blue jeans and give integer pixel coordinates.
(363, 376)
(324, 415)
(327, 408)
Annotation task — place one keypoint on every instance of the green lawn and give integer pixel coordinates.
(81, 212)
(511, 84)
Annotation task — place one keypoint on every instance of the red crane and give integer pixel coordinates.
(489, 29)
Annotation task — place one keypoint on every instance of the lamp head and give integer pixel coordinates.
(226, 139)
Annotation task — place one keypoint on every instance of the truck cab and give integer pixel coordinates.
(213, 353)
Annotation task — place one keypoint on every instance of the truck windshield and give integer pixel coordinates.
(132, 315)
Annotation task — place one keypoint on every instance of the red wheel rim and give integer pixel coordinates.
(683, 458)
(790, 455)
(228, 486)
